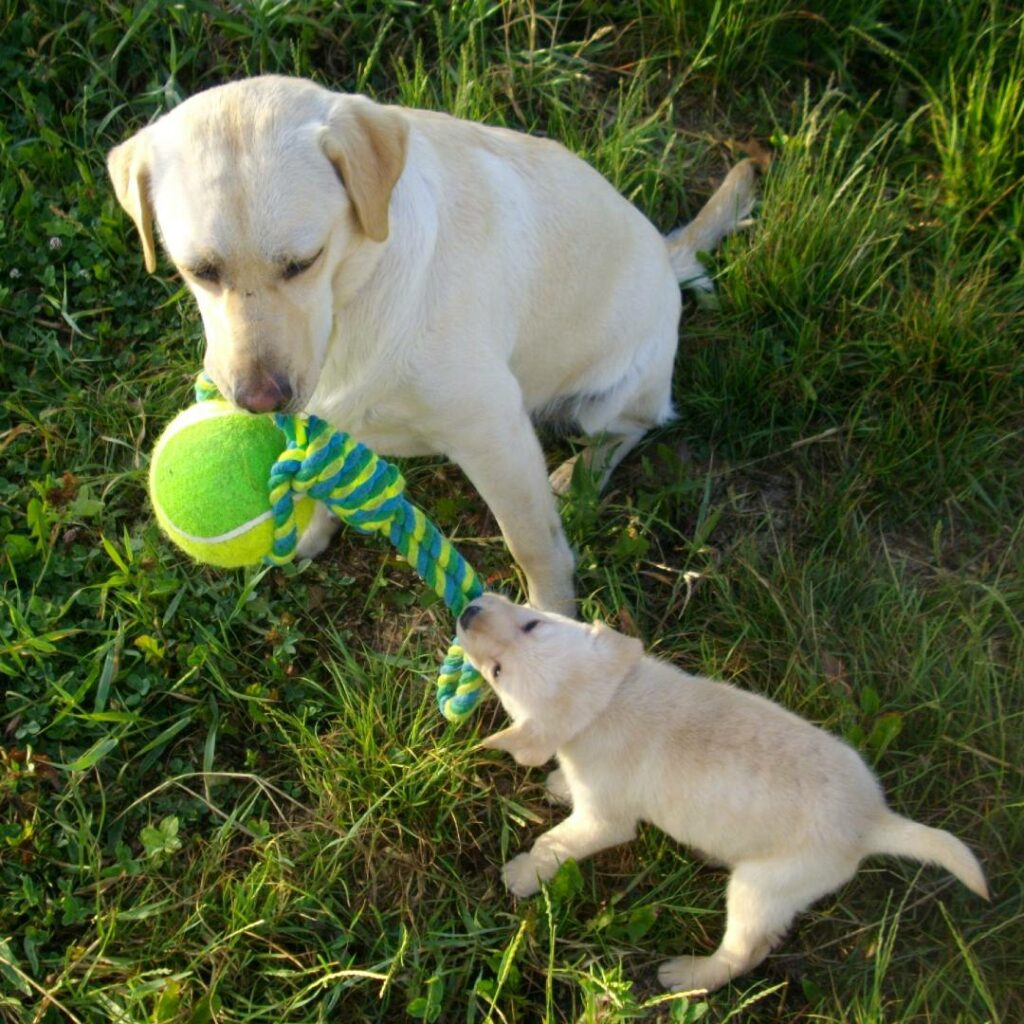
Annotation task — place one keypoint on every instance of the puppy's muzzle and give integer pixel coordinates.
(471, 612)
(263, 392)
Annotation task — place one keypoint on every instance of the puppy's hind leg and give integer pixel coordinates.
(762, 899)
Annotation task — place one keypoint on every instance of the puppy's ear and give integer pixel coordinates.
(366, 143)
(619, 653)
(129, 168)
(525, 741)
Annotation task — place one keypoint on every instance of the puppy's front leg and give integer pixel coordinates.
(526, 741)
(498, 450)
(580, 835)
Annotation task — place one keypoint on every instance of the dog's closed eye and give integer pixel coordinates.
(295, 267)
(208, 272)
(531, 625)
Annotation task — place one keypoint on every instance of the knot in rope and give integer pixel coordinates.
(361, 489)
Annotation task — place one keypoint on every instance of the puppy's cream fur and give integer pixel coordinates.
(789, 808)
(427, 284)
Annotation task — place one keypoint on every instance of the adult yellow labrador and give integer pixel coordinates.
(788, 808)
(427, 284)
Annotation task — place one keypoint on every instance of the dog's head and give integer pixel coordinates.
(264, 192)
(553, 675)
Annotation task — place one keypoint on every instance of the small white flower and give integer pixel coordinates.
(15, 273)
(55, 242)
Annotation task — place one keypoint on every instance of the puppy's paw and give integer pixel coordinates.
(558, 788)
(521, 876)
(317, 535)
(693, 974)
(525, 741)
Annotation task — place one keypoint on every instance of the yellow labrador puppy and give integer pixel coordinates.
(427, 284)
(789, 808)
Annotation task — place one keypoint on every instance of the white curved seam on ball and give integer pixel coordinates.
(249, 524)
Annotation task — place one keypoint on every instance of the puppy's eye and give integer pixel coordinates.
(531, 625)
(496, 671)
(295, 267)
(206, 272)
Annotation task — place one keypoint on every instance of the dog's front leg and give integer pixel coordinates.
(526, 741)
(580, 835)
(498, 450)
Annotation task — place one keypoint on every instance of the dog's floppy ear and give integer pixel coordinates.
(366, 142)
(129, 168)
(619, 653)
(591, 681)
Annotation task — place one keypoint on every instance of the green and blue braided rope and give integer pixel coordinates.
(367, 493)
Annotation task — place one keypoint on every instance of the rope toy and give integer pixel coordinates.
(367, 493)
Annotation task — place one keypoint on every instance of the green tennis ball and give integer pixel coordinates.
(209, 481)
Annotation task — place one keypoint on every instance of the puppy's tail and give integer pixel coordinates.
(902, 837)
(722, 214)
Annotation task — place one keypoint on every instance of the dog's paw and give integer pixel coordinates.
(558, 788)
(317, 535)
(561, 478)
(693, 974)
(521, 876)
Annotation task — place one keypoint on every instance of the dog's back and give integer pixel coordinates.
(722, 769)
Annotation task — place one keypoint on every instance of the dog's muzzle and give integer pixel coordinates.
(263, 392)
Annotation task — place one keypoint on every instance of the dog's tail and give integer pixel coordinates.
(902, 837)
(724, 211)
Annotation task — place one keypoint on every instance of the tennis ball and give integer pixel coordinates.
(209, 480)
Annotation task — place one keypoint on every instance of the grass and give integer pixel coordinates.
(228, 797)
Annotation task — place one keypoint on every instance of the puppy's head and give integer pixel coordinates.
(550, 671)
(268, 195)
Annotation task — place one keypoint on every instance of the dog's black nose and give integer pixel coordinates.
(263, 392)
(471, 612)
